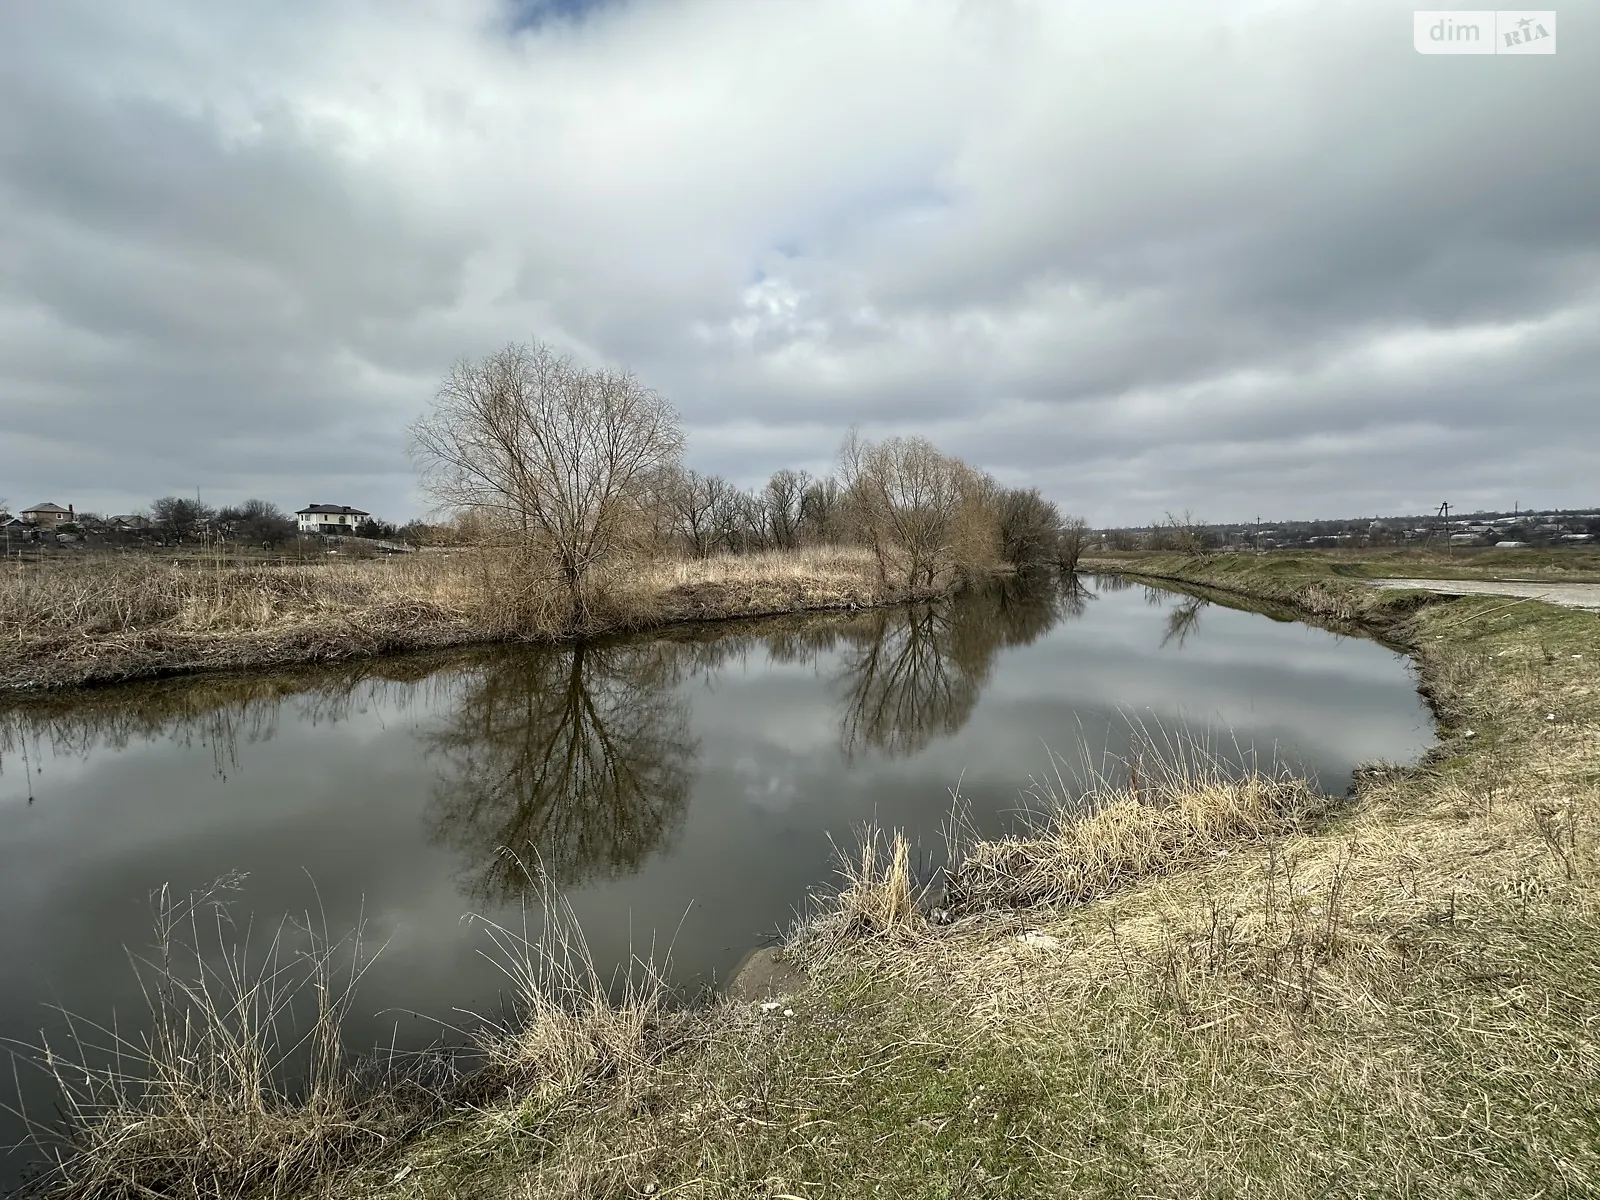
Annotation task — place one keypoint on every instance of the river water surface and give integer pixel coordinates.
(684, 790)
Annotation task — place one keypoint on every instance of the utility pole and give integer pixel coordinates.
(1444, 513)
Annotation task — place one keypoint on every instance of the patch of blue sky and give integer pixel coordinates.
(530, 14)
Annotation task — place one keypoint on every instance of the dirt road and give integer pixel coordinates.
(1569, 595)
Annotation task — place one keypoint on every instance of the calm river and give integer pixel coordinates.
(685, 790)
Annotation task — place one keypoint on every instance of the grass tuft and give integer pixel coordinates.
(878, 896)
(235, 1090)
(1153, 826)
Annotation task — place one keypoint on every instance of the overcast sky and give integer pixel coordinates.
(1239, 258)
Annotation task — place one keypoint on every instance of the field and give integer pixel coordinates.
(95, 620)
(1209, 985)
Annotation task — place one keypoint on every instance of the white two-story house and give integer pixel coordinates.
(330, 518)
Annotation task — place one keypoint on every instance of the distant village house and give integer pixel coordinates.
(48, 516)
(330, 518)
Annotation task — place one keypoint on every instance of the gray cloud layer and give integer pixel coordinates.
(1241, 258)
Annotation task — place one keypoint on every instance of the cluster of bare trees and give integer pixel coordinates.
(1181, 532)
(702, 515)
(576, 468)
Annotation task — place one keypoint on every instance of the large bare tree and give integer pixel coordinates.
(179, 519)
(783, 495)
(1029, 527)
(909, 499)
(555, 456)
(691, 500)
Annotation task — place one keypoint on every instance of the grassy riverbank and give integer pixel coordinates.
(1212, 987)
(111, 619)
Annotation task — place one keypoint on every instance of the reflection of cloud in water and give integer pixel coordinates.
(763, 787)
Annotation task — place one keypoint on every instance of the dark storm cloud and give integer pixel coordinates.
(1148, 256)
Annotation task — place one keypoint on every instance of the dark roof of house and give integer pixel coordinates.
(332, 508)
(46, 507)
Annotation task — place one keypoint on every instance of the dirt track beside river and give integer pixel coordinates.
(1568, 595)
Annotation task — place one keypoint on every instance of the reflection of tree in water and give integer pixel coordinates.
(1111, 583)
(915, 673)
(1028, 607)
(1075, 597)
(907, 681)
(807, 642)
(579, 760)
(218, 712)
(1184, 620)
(570, 763)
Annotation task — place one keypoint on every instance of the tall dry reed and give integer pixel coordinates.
(1171, 802)
(239, 1084)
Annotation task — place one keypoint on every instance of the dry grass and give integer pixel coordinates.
(841, 567)
(1207, 993)
(571, 1029)
(1131, 833)
(219, 1098)
(105, 620)
(877, 897)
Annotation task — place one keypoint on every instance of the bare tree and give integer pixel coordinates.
(1071, 541)
(1029, 527)
(822, 511)
(908, 498)
(725, 513)
(783, 496)
(257, 522)
(555, 456)
(752, 509)
(179, 518)
(1183, 533)
(740, 520)
(691, 499)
